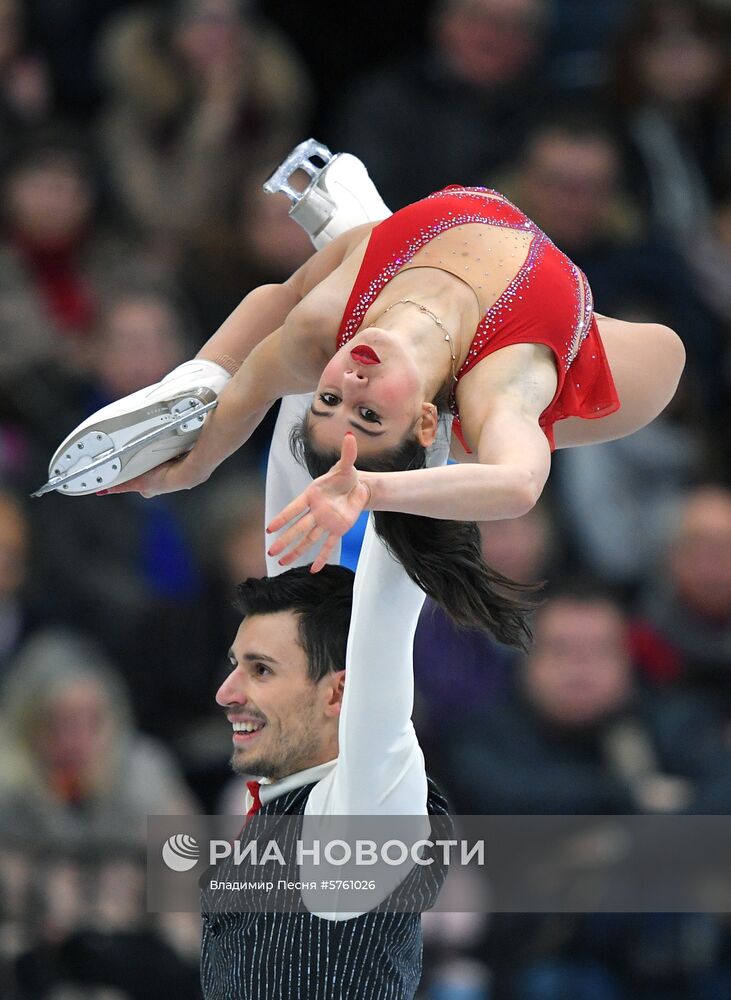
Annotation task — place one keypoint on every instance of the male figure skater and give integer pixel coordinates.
(320, 700)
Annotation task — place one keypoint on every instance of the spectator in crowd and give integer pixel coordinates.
(19, 615)
(73, 769)
(631, 489)
(197, 95)
(569, 180)
(569, 176)
(671, 95)
(684, 629)
(581, 38)
(56, 259)
(25, 88)
(141, 334)
(469, 97)
(148, 555)
(627, 490)
(66, 33)
(711, 260)
(612, 956)
(521, 549)
(579, 737)
(77, 783)
(670, 89)
(229, 547)
(262, 246)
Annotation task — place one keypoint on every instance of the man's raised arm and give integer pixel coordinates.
(380, 769)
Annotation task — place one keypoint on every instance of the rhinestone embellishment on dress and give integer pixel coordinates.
(499, 314)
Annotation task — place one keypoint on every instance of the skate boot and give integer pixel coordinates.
(128, 438)
(339, 196)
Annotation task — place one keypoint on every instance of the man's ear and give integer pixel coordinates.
(334, 687)
(427, 425)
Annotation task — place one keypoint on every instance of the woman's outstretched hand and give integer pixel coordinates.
(328, 508)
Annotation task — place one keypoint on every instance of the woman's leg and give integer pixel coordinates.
(646, 361)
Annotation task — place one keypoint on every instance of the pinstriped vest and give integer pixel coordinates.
(298, 956)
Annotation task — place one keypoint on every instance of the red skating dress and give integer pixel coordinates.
(547, 302)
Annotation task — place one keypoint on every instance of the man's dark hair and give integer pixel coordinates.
(322, 603)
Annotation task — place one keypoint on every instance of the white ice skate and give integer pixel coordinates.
(137, 433)
(339, 196)
(153, 425)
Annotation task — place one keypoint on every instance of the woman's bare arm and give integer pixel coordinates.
(513, 462)
(266, 308)
(506, 482)
(259, 314)
(261, 362)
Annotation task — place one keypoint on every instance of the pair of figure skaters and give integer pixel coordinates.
(454, 326)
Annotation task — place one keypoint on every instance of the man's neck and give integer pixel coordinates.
(272, 788)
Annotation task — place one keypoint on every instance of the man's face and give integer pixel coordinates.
(491, 42)
(77, 731)
(295, 719)
(140, 343)
(579, 669)
(49, 202)
(700, 560)
(569, 184)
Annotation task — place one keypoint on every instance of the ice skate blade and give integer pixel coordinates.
(299, 159)
(107, 465)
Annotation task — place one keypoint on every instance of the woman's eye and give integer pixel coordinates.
(260, 669)
(329, 399)
(370, 416)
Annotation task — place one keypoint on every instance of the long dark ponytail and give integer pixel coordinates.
(443, 557)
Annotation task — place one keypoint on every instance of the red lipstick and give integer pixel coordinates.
(365, 355)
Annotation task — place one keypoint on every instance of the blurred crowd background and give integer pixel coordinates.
(134, 138)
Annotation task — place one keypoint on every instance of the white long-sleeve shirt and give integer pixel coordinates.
(380, 768)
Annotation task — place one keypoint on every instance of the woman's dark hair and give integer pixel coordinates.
(442, 557)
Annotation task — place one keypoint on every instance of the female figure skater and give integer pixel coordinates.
(456, 303)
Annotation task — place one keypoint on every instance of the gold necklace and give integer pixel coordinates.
(435, 318)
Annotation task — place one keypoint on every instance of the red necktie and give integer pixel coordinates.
(253, 787)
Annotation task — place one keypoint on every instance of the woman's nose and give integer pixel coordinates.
(356, 377)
